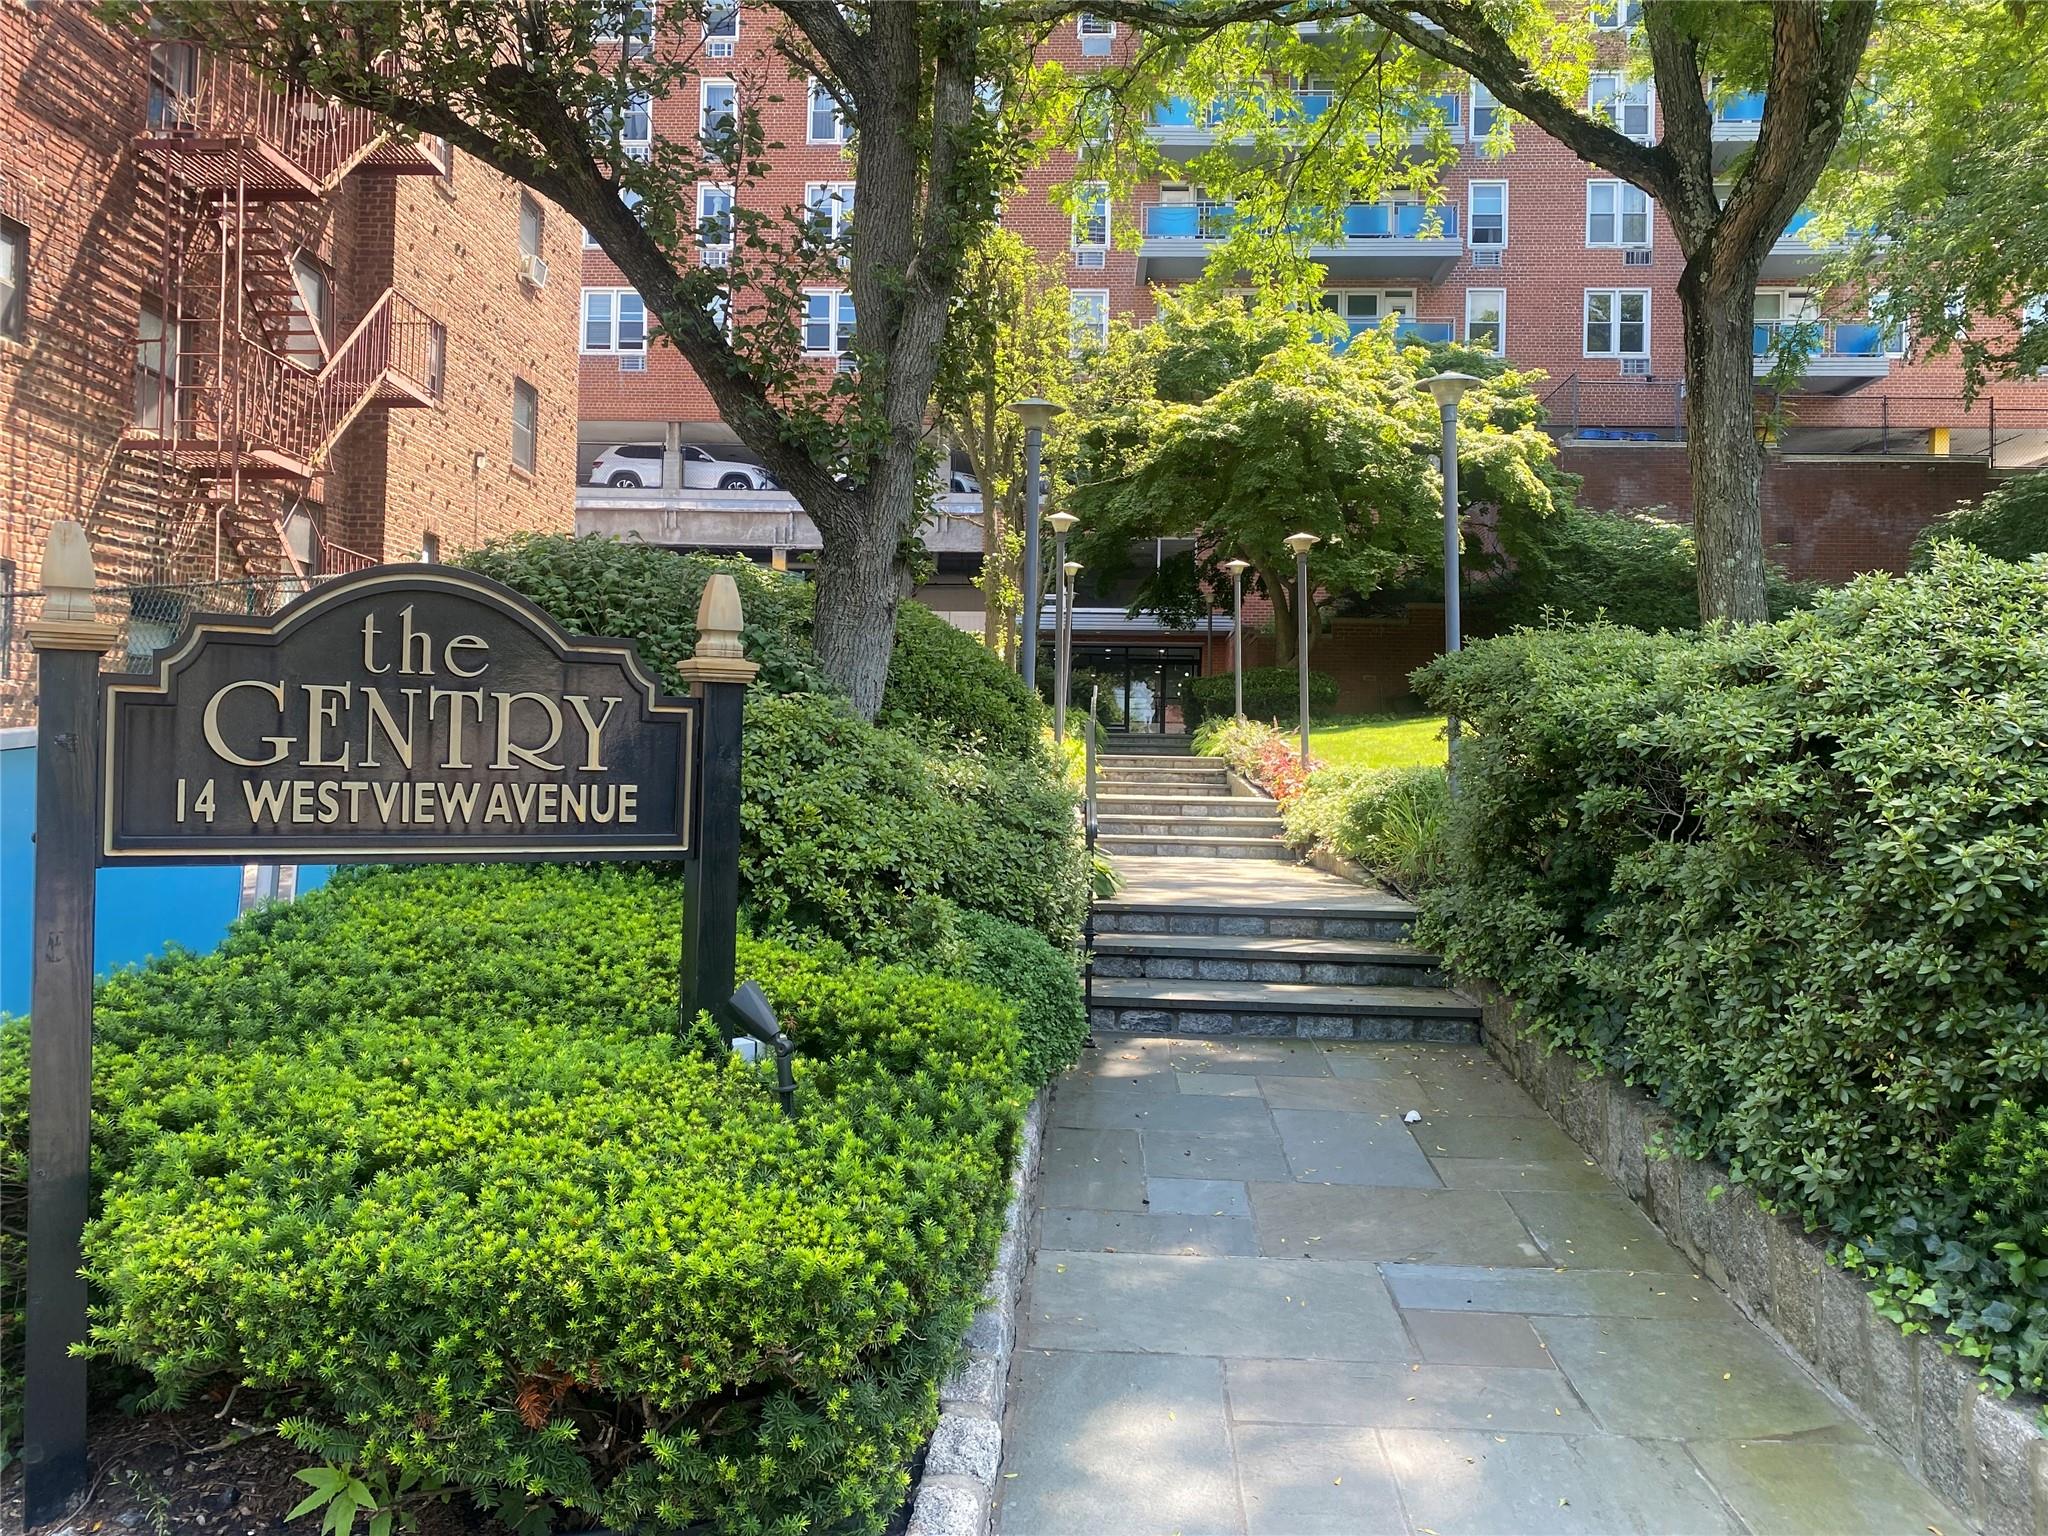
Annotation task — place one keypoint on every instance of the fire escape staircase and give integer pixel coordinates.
(247, 403)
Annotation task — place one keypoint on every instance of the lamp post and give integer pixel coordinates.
(1064, 658)
(1062, 524)
(1449, 389)
(1237, 568)
(1034, 416)
(1301, 544)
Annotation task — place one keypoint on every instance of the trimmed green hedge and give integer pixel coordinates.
(1794, 879)
(854, 833)
(943, 680)
(1022, 967)
(425, 1157)
(1270, 693)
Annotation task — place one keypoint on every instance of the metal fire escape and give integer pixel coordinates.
(239, 398)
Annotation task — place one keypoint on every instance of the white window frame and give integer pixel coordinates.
(1094, 192)
(842, 131)
(705, 191)
(1615, 15)
(832, 202)
(613, 301)
(1614, 322)
(1075, 299)
(1620, 214)
(14, 300)
(839, 321)
(1500, 343)
(704, 89)
(1489, 103)
(632, 201)
(638, 148)
(1471, 223)
(1624, 90)
(529, 462)
(1088, 24)
(638, 41)
(731, 13)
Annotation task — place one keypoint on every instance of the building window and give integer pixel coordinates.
(1617, 15)
(531, 224)
(614, 320)
(1088, 309)
(714, 216)
(1489, 212)
(7, 583)
(173, 82)
(310, 331)
(437, 359)
(1617, 322)
(1617, 213)
(1624, 103)
(636, 127)
(830, 205)
(828, 322)
(717, 112)
(1486, 319)
(826, 124)
(1485, 111)
(13, 280)
(430, 549)
(1096, 34)
(722, 21)
(631, 25)
(1091, 217)
(156, 369)
(525, 425)
(1364, 309)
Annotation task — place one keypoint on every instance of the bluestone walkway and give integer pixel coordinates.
(1262, 1303)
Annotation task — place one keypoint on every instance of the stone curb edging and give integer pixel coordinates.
(1988, 1457)
(956, 1494)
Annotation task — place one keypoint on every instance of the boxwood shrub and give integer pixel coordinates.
(1794, 879)
(1023, 968)
(425, 1160)
(944, 681)
(1270, 693)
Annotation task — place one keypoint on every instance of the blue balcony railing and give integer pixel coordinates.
(1424, 332)
(1400, 221)
(1743, 107)
(1187, 221)
(1820, 339)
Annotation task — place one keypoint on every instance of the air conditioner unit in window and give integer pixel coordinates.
(717, 256)
(532, 269)
(718, 48)
(845, 362)
(1091, 257)
(633, 362)
(1637, 257)
(1635, 367)
(1486, 255)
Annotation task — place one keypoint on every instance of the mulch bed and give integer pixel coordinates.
(172, 1474)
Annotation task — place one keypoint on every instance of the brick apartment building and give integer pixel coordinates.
(1549, 261)
(251, 339)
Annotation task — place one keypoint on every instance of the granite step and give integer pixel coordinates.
(1235, 807)
(1190, 847)
(1218, 957)
(1274, 1009)
(1197, 826)
(1196, 919)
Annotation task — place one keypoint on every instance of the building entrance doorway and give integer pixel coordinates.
(1143, 686)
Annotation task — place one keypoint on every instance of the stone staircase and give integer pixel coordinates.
(1217, 931)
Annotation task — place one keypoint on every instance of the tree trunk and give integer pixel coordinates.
(860, 579)
(1721, 442)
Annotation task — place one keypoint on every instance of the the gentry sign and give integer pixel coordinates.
(410, 712)
(404, 713)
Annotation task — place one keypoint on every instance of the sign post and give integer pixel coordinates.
(718, 673)
(68, 642)
(399, 714)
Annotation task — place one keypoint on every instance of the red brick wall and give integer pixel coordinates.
(1369, 658)
(1824, 519)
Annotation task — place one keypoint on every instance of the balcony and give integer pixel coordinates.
(1843, 356)
(1179, 128)
(1737, 120)
(1794, 255)
(1408, 332)
(1379, 240)
(751, 521)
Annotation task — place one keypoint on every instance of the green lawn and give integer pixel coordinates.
(1378, 741)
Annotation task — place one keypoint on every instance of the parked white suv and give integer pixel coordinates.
(632, 465)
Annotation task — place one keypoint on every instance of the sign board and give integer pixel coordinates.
(405, 713)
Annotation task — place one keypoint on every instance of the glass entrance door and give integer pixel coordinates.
(1143, 687)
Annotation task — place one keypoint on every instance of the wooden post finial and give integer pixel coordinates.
(720, 656)
(68, 622)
